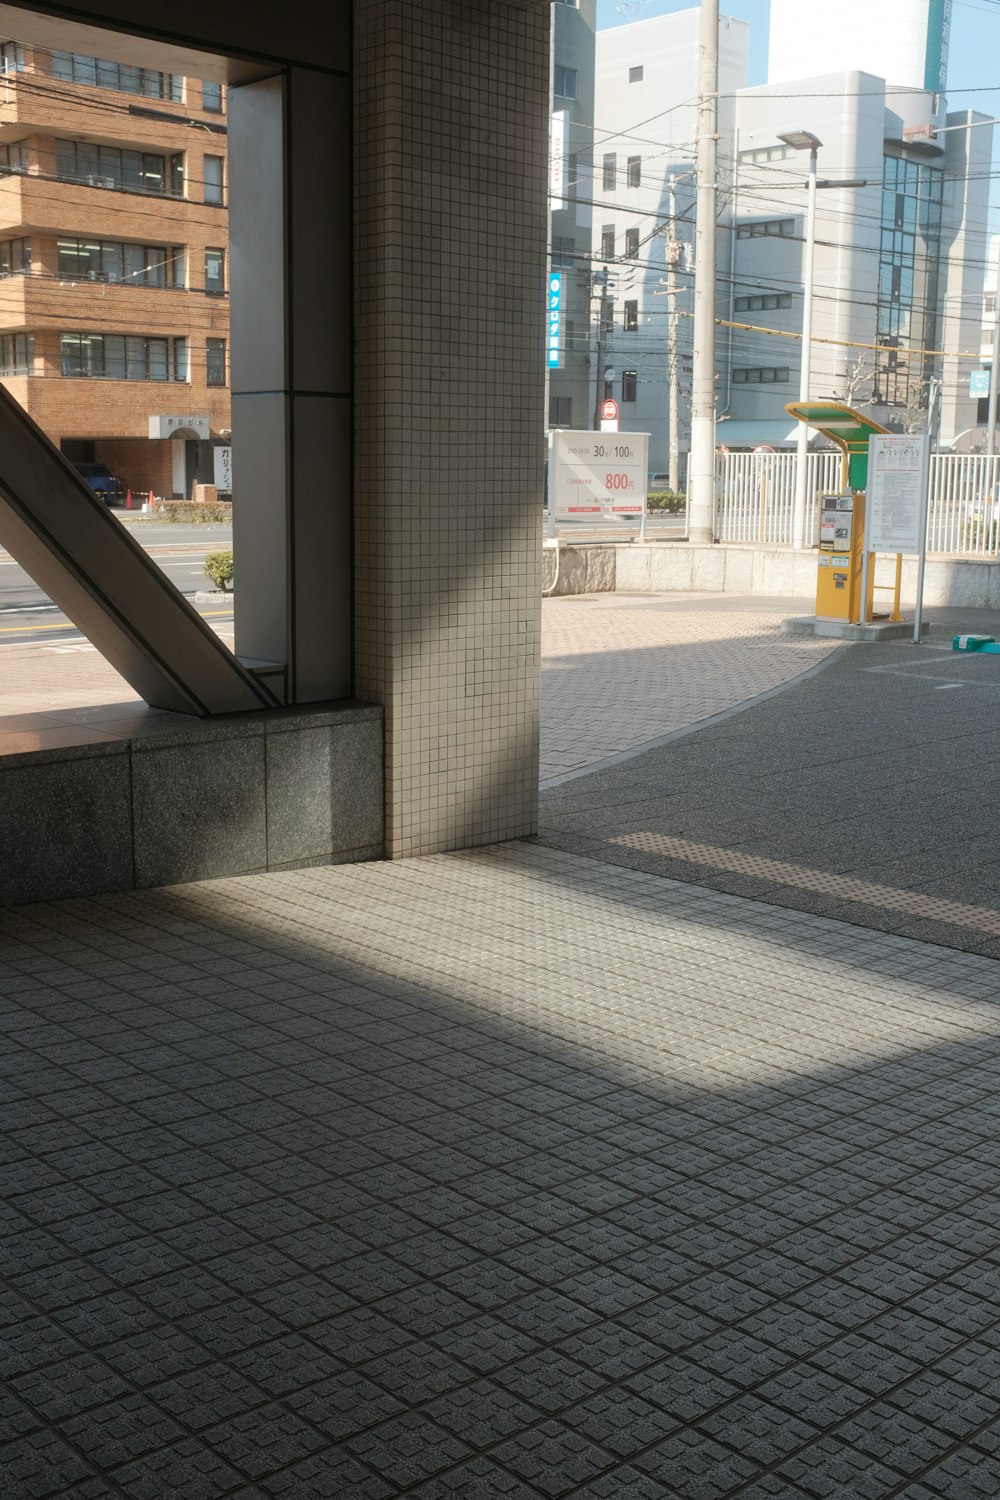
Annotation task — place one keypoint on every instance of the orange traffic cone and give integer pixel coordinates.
(128, 500)
(152, 500)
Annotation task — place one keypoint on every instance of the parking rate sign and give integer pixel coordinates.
(598, 473)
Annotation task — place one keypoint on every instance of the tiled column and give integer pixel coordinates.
(450, 173)
(289, 177)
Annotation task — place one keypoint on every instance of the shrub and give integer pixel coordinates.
(192, 512)
(665, 502)
(219, 568)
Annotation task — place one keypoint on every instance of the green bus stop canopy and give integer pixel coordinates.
(845, 427)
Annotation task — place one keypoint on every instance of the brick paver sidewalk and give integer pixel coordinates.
(618, 672)
(501, 1174)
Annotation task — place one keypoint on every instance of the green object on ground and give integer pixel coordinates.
(972, 642)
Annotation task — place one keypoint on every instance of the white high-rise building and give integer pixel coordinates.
(903, 40)
(645, 112)
(900, 251)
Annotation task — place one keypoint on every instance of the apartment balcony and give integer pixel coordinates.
(30, 204)
(36, 104)
(47, 302)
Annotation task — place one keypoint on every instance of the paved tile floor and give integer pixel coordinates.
(501, 1174)
(621, 670)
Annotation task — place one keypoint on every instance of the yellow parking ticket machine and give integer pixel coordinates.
(841, 553)
(842, 516)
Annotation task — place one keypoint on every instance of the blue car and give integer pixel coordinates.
(101, 481)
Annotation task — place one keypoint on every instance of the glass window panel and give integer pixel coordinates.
(135, 354)
(158, 367)
(153, 173)
(62, 66)
(114, 356)
(213, 179)
(135, 264)
(211, 97)
(181, 359)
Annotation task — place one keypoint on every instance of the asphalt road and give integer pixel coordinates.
(27, 614)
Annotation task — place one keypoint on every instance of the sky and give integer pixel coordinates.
(975, 43)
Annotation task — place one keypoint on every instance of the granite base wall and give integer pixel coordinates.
(768, 572)
(233, 796)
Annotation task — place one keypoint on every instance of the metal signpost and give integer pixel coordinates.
(896, 512)
(597, 474)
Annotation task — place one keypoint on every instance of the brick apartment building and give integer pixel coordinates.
(113, 263)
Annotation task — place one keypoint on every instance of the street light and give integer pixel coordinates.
(804, 140)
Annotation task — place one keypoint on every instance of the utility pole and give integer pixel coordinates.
(991, 415)
(673, 254)
(702, 465)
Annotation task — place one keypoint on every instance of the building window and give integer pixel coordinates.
(630, 381)
(75, 67)
(766, 228)
(762, 375)
(766, 153)
(635, 74)
(213, 179)
(14, 158)
(610, 174)
(110, 167)
(763, 301)
(215, 361)
(11, 57)
(15, 257)
(108, 260)
(211, 98)
(114, 356)
(177, 174)
(564, 81)
(17, 354)
(561, 411)
(563, 250)
(631, 243)
(215, 272)
(607, 242)
(631, 317)
(182, 360)
(634, 177)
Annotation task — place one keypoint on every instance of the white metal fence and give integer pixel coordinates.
(755, 496)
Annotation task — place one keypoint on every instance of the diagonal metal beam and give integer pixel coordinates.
(88, 564)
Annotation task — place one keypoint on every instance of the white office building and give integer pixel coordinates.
(644, 133)
(899, 253)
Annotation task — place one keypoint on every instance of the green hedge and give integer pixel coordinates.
(192, 512)
(665, 502)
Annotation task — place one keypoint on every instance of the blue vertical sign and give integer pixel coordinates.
(553, 340)
(936, 57)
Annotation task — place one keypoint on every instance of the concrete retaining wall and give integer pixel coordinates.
(766, 572)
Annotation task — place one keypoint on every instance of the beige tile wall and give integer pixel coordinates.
(450, 163)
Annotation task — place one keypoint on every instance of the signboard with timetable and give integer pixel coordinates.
(594, 474)
(898, 473)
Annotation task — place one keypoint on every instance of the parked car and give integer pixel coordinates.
(101, 481)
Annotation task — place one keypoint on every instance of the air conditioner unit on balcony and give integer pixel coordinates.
(105, 182)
